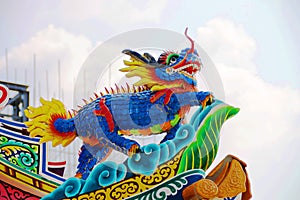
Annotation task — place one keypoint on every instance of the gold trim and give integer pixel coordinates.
(137, 184)
(228, 179)
(28, 183)
(234, 182)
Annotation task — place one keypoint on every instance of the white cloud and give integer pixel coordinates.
(117, 12)
(50, 46)
(228, 42)
(265, 130)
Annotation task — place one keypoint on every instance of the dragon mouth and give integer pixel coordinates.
(188, 70)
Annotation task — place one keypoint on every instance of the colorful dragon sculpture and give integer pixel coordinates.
(157, 103)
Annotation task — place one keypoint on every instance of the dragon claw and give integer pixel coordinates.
(78, 175)
(133, 150)
(207, 101)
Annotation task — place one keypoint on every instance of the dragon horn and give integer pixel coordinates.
(190, 39)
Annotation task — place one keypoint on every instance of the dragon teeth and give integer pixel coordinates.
(181, 69)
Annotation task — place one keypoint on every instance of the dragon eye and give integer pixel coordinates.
(172, 58)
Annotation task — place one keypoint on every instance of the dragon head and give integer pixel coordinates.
(171, 71)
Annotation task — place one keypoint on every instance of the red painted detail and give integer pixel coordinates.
(10, 192)
(105, 112)
(181, 63)
(4, 94)
(160, 93)
(168, 96)
(57, 163)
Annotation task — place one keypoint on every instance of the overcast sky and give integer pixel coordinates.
(254, 45)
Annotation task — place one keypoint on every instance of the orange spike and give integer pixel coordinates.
(128, 88)
(79, 106)
(133, 89)
(85, 101)
(91, 99)
(96, 95)
(70, 114)
(123, 90)
(101, 94)
(74, 112)
(117, 88)
(107, 91)
(112, 90)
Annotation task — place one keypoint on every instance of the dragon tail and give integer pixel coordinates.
(51, 122)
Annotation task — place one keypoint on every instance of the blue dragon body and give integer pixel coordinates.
(133, 112)
(165, 93)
